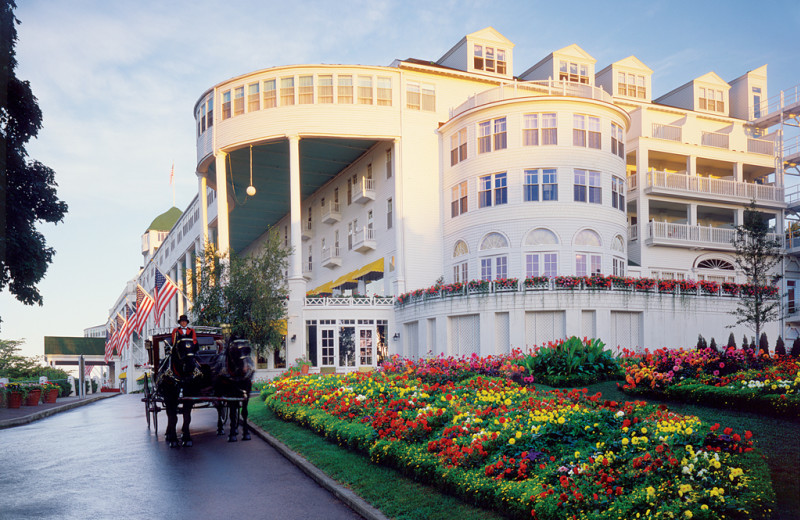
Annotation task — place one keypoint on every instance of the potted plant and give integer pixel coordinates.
(302, 365)
(50, 392)
(34, 394)
(16, 393)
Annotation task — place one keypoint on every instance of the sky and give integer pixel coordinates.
(117, 83)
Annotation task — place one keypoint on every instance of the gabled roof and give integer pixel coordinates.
(487, 34)
(712, 77)
(166, 220)
(575, 51)
(633, 62)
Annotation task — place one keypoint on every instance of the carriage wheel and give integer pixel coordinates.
(147, 400)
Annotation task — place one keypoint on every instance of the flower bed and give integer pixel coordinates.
(734, 378)
(531, 454)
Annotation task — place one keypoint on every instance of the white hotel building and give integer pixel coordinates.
(384, 179)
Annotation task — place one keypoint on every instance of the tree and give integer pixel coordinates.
(757, 255)
(763, 344)
(246, 293)
(795, 352)
(780, 347)
(731, 342)
(27, 187)
(713, 345)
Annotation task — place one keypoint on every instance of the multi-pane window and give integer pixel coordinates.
(579, 130)
(756, 102)
(461, 272)
(489, 59)
(618, 193)
(574, 72)
(587, 182)
(429, 97)
(350, 236)
(583, 127)
(389, 214)
(210, 118)
(253, 98)
(385, 91)
(287, 91)
(412, 96)
(791, 306)
(500, 181)
(549, 129)
(389, 163)
(594, 132)
(458, 200)
(458, 146)
(344, 92)
(711, 99)
(349, 192)
(617, 142)
(226, 104)
(631, 85)
(270, 94)
(497, 264)
(537, 264)
(586, 264)
(365, 90)
(305, 90)
(325, 89)
(618, 265)
(310, 265)
(530, 130)
(548, 190)
(487, 139)
(238, 101)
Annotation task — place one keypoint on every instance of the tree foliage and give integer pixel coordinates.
(27, 187)
(757, 256)
(13, 365)
(246, 293)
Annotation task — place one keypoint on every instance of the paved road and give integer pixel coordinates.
(101, 461)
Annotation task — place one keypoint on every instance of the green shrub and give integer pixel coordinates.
(572, 363)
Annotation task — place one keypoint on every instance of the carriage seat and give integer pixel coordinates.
(206, 356)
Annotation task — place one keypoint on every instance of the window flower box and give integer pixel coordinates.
(568, 282)
(478, 286)
(505, 285)
(730, 289)
(645, 285)
(452, 289)
(536, 283)
(621, 283)
(667, 286)
(707, 287)
(688, 286)
(597, 281)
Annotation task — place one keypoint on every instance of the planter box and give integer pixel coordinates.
(33, 398)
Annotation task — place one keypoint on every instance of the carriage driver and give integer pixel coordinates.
(183, 331)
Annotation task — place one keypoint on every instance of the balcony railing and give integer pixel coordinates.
(331, 257)
(761, 146)
(308, 231)
(715, 139)
(716, 187)
(679, 234)
(669, 132)
(531, 89)
(365, 192)
(633, 182)
(793, 241)
(633, 232)
(350, 301)
(330, 213)
(364, 240)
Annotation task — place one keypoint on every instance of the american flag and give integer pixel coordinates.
(109, 342)
(144, 305)
(121, 323)
(127, 330)
(164, 291)
(87, 370)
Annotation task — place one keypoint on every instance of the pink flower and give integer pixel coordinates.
(722, 365)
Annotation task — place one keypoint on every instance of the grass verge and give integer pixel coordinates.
(406, 499)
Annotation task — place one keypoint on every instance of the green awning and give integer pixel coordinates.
(74, 346)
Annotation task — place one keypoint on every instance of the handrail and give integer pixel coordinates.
(783, 99)
(728, 188)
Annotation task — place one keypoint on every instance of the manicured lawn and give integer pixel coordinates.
(777, 439)
(385, 488)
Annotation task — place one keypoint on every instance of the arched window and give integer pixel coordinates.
(540, 237)
(587, 237)
(618, 244)
(715, 263)
(493, 241)
(460, 249)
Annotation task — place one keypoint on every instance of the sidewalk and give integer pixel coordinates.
(26, 414)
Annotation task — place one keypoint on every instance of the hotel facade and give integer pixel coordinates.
(417, 198)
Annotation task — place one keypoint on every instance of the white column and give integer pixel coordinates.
(738, 173)
(223, 230)
(691, 165)
(399, 220)
(181, 286)
(692, 216)
(188, 266)
(203, 189)
(297, 284)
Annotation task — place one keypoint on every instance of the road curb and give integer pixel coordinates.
(19, 421)
(352, 500)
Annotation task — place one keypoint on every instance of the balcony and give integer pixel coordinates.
(715, 139)
(691, 186)
(308, 270)
(668, 132)
(331, 213)
(308, 231)
(763, 146)
(695, 237)
(331, 258)
(633, 182)
(633, 233)
(364, 240)
(793, 242)
(365, 192)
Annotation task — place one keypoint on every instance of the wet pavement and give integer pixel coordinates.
(101, 461)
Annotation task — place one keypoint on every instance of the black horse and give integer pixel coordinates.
(233, 377)
(179, 375)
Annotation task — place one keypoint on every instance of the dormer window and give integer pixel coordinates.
(711, 99)
(574, 72)
(631, 85)
(489, 59)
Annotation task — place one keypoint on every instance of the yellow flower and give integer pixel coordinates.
(512, 440)
(688, 514)
(625, 441)
(519, 434)
(651, 491)
(561, 420)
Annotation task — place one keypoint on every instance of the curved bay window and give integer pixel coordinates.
(494, 266)
(460, 267)
(542, 259)
(587, 262)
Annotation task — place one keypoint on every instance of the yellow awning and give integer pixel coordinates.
(369, 269)
(141, 376)
(346, 280)
(123, 375)
(325, 288)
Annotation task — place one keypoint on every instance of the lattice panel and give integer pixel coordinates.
(588, 329)
(412, 340)
(502, 333)
(541, 327)
(625, 329)
(465, 335)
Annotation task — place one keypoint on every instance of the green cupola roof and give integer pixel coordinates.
(166, 220)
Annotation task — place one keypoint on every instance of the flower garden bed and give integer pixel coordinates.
(731, 379)
(532, 454)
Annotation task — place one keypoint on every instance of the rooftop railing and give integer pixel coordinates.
(722, 187)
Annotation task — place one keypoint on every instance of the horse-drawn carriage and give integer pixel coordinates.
(187, 375)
